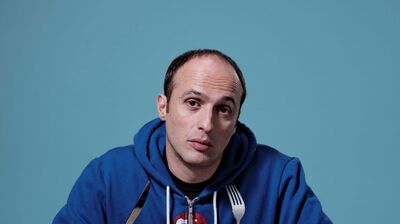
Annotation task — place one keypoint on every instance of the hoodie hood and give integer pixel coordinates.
(150, 147)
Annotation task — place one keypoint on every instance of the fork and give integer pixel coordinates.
(237, 202)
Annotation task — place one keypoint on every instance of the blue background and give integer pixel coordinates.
(80, 77)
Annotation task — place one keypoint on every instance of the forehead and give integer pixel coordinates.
(208, 73)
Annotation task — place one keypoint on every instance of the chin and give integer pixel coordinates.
(194, 159)
(200, 162)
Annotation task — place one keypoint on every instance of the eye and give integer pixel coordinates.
(192, 103)
(225, 109)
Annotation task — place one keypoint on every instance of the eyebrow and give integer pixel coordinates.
(190, 92)
(197, 93)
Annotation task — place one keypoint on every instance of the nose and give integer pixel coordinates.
(205, 122)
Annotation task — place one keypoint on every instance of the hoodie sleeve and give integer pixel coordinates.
(86, 201)
(298, 204)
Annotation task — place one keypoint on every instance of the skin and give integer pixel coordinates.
(202, 113)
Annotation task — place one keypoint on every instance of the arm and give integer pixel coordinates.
(298, 204)
(86, 201)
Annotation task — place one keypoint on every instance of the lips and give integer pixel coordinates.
(200, 145)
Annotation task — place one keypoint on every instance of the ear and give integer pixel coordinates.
(162, 106)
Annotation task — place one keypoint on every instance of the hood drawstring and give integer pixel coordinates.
(215, 207)
(168, 195)
(167, 205)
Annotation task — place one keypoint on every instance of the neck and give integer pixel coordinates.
(189, 173)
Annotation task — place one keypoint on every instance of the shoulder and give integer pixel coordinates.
(271, 162)
(118, 153)
(268, 162)
(118, 161)
(269, 155)
(272, 157)
(265, 171)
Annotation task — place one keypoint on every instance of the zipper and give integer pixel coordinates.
(190, 211)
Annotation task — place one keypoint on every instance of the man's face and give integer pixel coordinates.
(202, 111)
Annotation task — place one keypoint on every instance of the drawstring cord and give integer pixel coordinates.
(215, 207)
(167, 205)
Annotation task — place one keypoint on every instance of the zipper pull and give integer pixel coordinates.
(190, 212)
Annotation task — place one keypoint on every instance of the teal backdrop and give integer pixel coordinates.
(78, 78)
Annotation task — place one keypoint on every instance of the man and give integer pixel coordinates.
(196, 163)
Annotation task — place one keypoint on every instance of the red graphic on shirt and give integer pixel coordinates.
(183, 218)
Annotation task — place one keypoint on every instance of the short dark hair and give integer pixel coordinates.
(179, 61)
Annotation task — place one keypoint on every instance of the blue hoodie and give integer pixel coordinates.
(271, 185)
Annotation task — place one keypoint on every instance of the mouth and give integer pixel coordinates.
(200, 144)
